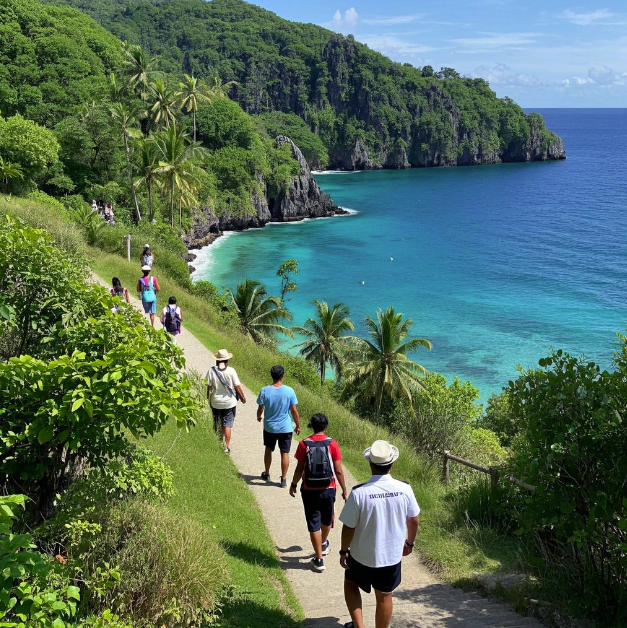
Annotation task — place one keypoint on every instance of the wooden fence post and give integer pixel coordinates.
(446, 467)
(128, 247)
(494, 478)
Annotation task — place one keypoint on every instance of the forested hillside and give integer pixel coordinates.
(85, 117)
(369, 111)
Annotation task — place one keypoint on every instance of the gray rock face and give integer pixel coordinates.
(303, 199)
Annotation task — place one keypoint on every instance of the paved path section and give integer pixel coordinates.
(421, 600)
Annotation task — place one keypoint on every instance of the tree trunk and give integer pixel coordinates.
(172, 204)
(137, 216)
(194, 119)
(323, 367)
(151, 214)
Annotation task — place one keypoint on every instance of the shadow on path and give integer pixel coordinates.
(251, 554)
(247, 613)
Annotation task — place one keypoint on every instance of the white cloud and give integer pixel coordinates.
(392, 45)
(607, 76)
(578, 80)
(493, 41)
(345, 22)
(586, 19)
(392, 20)
(501, 74)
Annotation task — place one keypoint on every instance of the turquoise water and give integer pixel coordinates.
(494, 264)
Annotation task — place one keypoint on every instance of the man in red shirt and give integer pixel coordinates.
(319, 463)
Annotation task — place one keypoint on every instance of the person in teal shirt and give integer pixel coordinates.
(280, 406)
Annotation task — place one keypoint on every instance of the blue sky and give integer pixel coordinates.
(542, 54)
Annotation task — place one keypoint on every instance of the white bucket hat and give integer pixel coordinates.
(222, 354)
(146, 267)
(381, 453)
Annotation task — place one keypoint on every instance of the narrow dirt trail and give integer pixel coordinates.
(421, 601)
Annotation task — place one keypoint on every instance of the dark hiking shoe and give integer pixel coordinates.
(265, 476)
(325, 547)
(283, 483)
(317, 564)
(349, 624)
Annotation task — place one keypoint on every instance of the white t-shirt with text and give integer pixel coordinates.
(221, 399)
(378, 510)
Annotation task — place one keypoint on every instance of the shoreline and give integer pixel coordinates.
(201, 256)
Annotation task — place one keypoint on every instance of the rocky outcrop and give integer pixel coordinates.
(302, 199)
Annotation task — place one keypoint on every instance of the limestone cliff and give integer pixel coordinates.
(302, 199)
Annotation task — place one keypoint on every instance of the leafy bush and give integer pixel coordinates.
(573, 448)
(498, 418)
(110, 375)
(24, 598)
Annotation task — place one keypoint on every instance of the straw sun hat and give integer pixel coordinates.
(223, 354)
(381, 453)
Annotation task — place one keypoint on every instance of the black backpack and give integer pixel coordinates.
(172, 320)
(318, 466)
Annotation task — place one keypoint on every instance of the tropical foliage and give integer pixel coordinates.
(326, 337)
(343, 92)
(380, 367)
(260, 315)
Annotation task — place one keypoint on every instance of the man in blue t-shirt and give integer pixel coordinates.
(279, 402)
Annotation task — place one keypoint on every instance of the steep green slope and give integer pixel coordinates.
(369, 111)
(51, 60)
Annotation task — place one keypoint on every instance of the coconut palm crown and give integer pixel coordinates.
(259, 314)
(325, 337)
(380, 366)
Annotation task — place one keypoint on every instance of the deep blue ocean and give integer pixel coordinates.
(494, 264)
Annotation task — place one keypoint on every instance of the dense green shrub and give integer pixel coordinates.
(26, 599)
(171, 572)
(498, 417)
(573, 448)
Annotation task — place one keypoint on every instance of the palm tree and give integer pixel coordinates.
(218, 88)
(259, 314)
(193, 92)
(381, 366)
(164, 107)
(324, 336)
(9, 171)
(116, 89)
(140, 68)
(127, 119)
(149, 171)
(176, 168)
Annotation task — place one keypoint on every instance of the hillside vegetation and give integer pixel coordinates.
(368, 111)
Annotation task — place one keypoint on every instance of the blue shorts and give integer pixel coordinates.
(150, 307)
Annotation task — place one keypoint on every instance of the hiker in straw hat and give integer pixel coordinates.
(380, 521)
(224, 390)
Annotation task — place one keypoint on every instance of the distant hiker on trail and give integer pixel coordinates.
(279, 402)
(224, 390)
(172, 317)
(380, 521)
(94, 206)
(319, 460)
(147, 258)
(148, 286)
(118, 291)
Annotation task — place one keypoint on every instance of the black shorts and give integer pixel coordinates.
(223, 417)
(285, 441)
(318, 508)
(383, 579)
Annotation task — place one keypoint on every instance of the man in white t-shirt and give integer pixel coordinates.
(223, 391)
(380, 521)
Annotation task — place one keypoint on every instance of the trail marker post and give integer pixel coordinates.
(128, 247)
